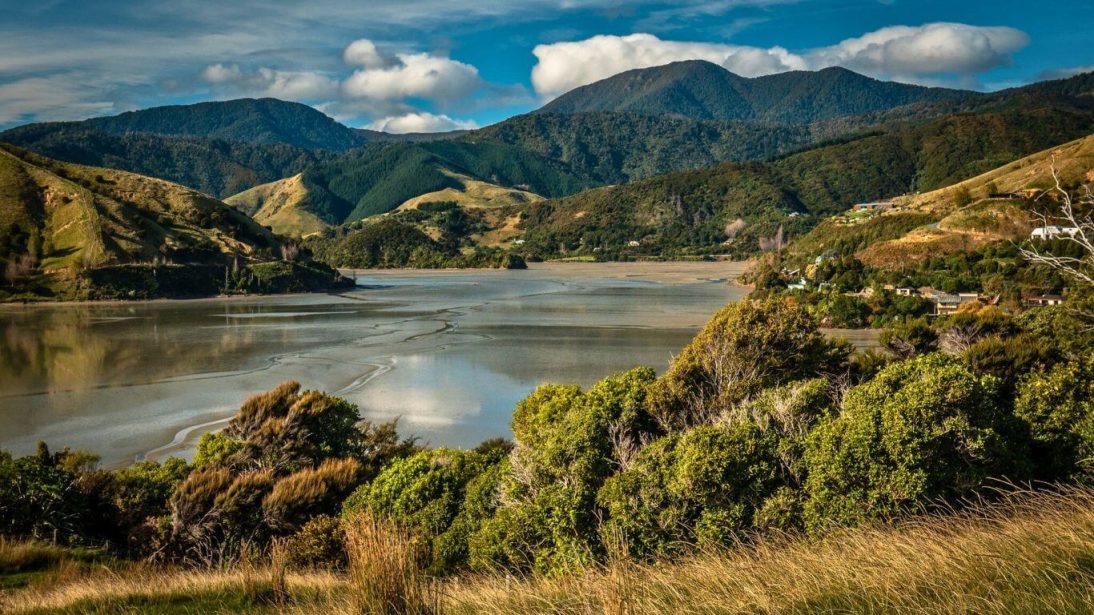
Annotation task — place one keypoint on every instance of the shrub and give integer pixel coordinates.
(309, 492)
(319, 544)
(745, 348)
(139, 493)
(910, 337)
(567, 443)
(1057, 406)
(703, 485)
(922, 429)
(426, 493)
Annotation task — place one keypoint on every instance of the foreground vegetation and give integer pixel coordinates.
(1031, 553)
(764, 444)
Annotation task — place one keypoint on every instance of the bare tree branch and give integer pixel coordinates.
(1080, 232)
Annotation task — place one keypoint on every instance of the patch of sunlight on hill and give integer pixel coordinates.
(281, 205)
(475, 194)
(999, 205)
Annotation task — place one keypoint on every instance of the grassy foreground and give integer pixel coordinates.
(1032, 553)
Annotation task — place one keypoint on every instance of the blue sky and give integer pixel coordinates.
(416, 65)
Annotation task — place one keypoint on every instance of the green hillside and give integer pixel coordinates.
(374, 180)
(611, 147)
(697, 212)
(258, 121)
(71, 231)
(214, 166)
(701, 90)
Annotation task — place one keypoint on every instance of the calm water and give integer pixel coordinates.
(449, 353)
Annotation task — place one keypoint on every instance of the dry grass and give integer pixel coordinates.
(29, 555)
(1034, 553)
(384, 571)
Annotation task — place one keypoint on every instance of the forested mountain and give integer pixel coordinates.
(263, 120)
(613, 147)
(701, 90)
(211, 165)
(73, 231)
(737, 207)
(377, 180)
(682, 116)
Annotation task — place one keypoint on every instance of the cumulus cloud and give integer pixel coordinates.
(420, 122)
(406, 75)
(936, 48)
(265, 81)
(363, 52)
(564, 66)
(917, 54)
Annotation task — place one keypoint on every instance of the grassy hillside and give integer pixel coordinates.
(697, 211)
(374, 181)
(968, 217)
(281, 205)
(68, 231)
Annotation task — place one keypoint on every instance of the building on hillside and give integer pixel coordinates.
(900, 291)
(947, 303)
(1044, 300)
(1053, 232)
(873, 206)
(633, 243)
(800, 284)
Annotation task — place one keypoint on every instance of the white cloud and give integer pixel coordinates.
(363, 52)
(414, 75)
(420, 122)
(936, 48)
(265, 81)
(906, 53)
(564, 66)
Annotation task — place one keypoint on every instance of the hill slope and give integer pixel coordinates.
(68, 229)
(702, 90)
(985, 218)
(280, 205)
(696, 211)
(258, 121)
(214, 166)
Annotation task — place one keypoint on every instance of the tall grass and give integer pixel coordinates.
(1031, 553)
(1034, 553)
(384, 573)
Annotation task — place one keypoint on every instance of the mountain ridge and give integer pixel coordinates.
(702, 90)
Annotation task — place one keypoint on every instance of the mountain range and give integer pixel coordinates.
(701, 90)
(685, 115)
(668, 156)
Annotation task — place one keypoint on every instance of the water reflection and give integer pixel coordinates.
(450, 353)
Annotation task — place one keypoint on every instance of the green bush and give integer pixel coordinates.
(319, 545)
(745, 348)
(567, 443)
(922, 429)
(426, 493)
(909, 338)
(1057, 406)
(700, 486)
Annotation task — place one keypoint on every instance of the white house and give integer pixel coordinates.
(1052, 232)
